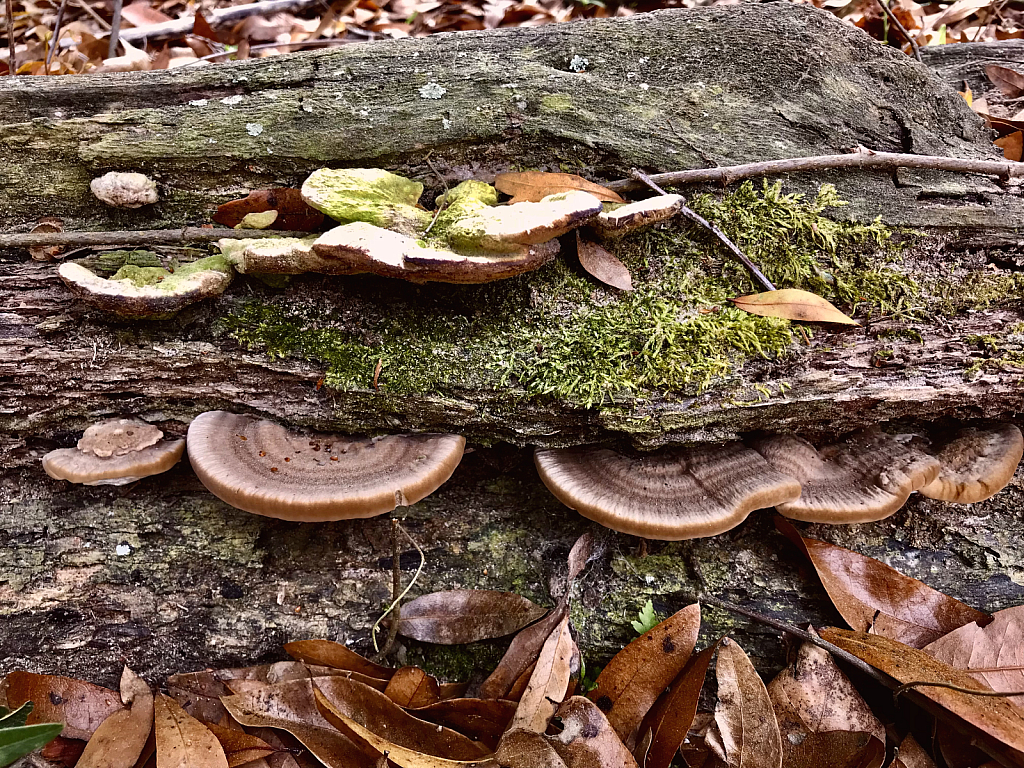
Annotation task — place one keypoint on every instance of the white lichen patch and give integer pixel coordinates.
(432, 91)
(199, 102)
(232, 100)
(253, 129)
(122, 550)
(579, 63)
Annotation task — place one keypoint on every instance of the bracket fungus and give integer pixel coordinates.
(149, 292)
(115, 452)
(675, 494)
(976, 464)
(125, 190)
(261, 467)
(867, 477)
(621, 219)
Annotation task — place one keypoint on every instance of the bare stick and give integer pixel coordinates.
(95, 16)
(56, 34)
(396, 589)
(12, 63)
(860, 158)
(141, 237)
(115, 29)
(896, 23)
(695, 217)
(444, 198)
(397, 601)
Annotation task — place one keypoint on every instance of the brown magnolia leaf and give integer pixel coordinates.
(994, 724)
(291, 707)
(46, 252)
(201, 28)
(466, 615)
(669, 720)
(997, 646)
(63, 751)
(483, 720)
(821, 714)
(531, 186)
(634, 679)
(337, 711)
(792, 304)
(141, 13)
(1012, 146)
(81, 706)
(1009, 82)
(911, 755)
(548, 683)
(293, 212)
(120, 739)
(587, 739)
(181, 740)
(527, 749)
(695, 750)
(412, 687)
(745, 732)
(603, 264)
(239, 746)
(519, 686)
(327, 653)
(581, 552)
(871, 596)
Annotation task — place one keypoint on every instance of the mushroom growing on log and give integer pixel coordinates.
(976, 464)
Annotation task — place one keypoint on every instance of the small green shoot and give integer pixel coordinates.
(18, 739)
(646, 620)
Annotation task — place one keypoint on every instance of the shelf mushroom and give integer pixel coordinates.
(976, 464)
(867, 477)
(261, 467)
(671, 495)
(115, 452)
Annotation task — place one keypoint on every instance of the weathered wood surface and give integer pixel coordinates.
(164, 576)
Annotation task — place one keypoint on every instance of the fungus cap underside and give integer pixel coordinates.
(88, 469)
(977, 464)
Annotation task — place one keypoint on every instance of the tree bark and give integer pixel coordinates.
(164, 576)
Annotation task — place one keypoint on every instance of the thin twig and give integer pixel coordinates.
(141, 237)
(903, 31)
(52, 46)
(115, 29)
(396, 588)
(860, 158)
(12, 62)
(267, 46)
(95, 16)
(693, 216)
(398, 600)
(897, 692)
(444, 197)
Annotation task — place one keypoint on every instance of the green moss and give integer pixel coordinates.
(557, 332)
(1000, 352)
(556, 102)
(455, 663)
(976, 290)
(169, 280)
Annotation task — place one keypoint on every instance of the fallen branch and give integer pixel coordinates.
(141, 237)
(860, 158)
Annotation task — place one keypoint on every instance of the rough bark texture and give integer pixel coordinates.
(164, 576)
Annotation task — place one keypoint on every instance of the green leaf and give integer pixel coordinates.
(17, 718)
(647, 619)
(18, 742)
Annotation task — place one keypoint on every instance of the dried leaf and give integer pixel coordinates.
(581, 552)
(548, 683)
(331, 654)
(338, 710)
(587, 739)
(968, 96)
(412, 687)
(1012, 146)
(745, 732)
(466, 615)
(911, 755)
(293, 212)
(531, 186)
(201, 28)
(1009, 82)
(141, 13)
(792, 304)
(670, 718)
(999, 645)
(872, 596)
(80, 705)
(994, 723)
(603, 264)
(46, 252)
(519, 686)
(120, 739)
(239, 746)
(821, 714)
(634, 679)
(182, 741)
(483, 720)
(526, 749)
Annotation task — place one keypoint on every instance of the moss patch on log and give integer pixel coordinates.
(557, 332)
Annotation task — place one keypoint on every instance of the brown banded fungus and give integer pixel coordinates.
(114, 452)
(149, 292)
(867, 477)
(622, 219)
(261, 467)
(976, 464)
(674, 494)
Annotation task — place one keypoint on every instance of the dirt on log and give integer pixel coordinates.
(166, 577)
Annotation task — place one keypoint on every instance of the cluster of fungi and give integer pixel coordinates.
(679, 493)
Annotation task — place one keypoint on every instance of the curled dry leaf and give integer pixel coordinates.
(330, 654)
(548, 683)
(1012, 146)
(412, 687)
(1009, 82)
(466, 615)
(911, 755)
(293, 213)
(603, 264)
(997, 646)
(81, 706)
(872, 596)
(239, 746)
(634, 679)
(792, 304)
(526, 749)
(46, 252)
(531, 186)
(483, 720)
(745, 732)
(181, 740)
(995, 725)
(120, 739)
(587, 740)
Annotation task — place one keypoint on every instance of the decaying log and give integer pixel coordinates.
(165, 576)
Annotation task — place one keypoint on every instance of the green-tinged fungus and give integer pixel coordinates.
(372, 195)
